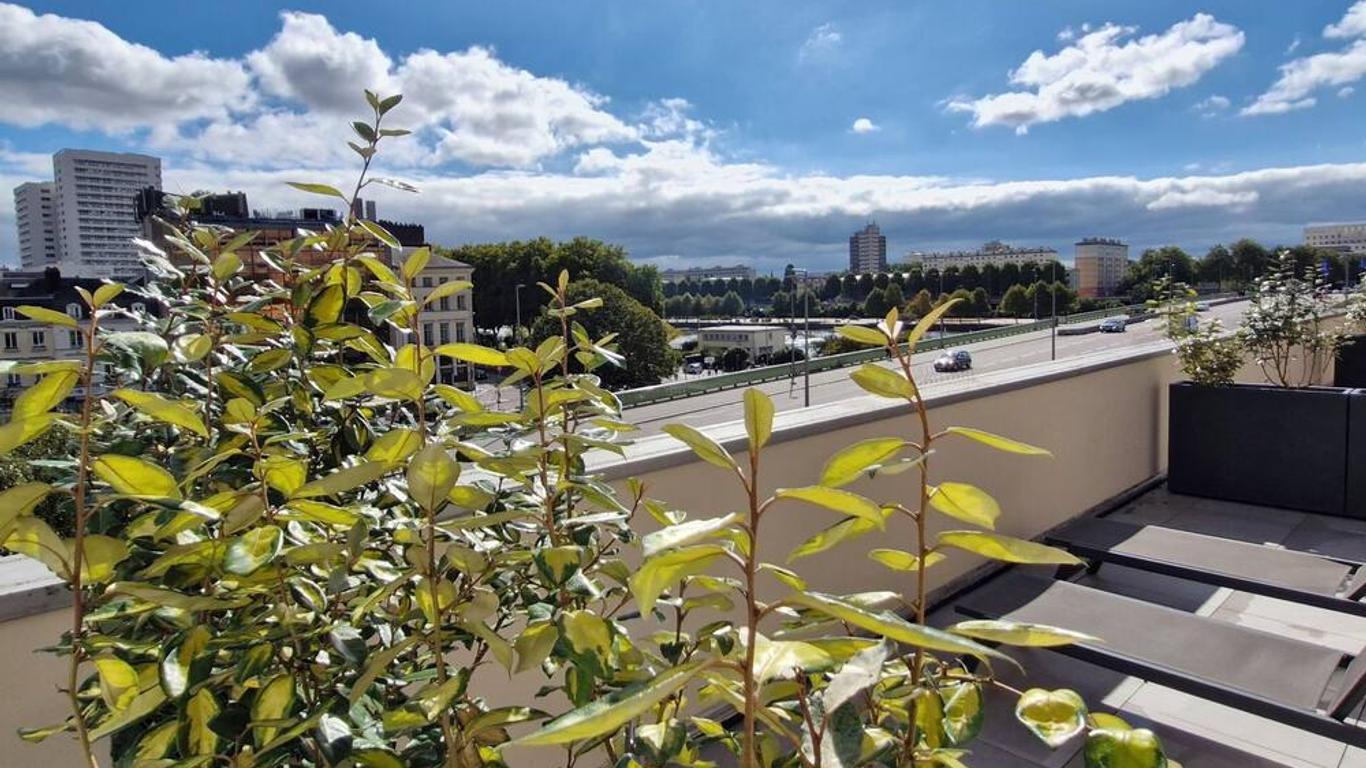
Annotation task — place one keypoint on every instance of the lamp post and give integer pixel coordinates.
(516, 338)
(806, 339)
(1053, 290)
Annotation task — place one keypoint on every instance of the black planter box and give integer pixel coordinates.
(1349, 370)
(1356, 455)
(1260, 444)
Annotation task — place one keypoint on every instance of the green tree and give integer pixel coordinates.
(962, 303)
(734, 359)
(1250, 261)
(1016, 302)
(832, 288)
(921, 304)
(892, 296)
(640, 336)
(981, 305)
(1217, 266)
(732, 305)
(876, 303)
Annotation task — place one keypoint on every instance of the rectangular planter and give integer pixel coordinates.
(1349, 370)
(1356, 455)
(1260, 444)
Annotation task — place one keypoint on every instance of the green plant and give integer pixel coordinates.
(1285, 326)
(1208, 355)
(1356, 306)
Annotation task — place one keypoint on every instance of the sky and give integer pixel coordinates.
(697, 132)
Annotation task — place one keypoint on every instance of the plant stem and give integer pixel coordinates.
(750, 756)
(78, 549)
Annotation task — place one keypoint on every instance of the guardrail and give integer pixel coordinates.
(660, 393)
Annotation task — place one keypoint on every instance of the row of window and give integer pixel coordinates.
(444, 333)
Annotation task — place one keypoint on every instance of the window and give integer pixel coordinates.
(460, 301)
(445, 333)
(39, 339)
(445, 305)
(74, 310)
(460, 332)
(426, 282)
(73, 339)
(7, 313)
(427, 333)
(11, 341)
(139, 307)
(12, 379)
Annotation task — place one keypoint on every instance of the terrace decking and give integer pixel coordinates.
(1197, 732)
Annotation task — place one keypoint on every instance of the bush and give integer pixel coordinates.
(291, 547)
(1285, 325)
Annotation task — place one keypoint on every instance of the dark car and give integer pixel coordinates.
(953, 360)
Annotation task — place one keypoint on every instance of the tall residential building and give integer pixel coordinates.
(1100, 265)
(1347, 238)
(91, 214)
(992, 252)
(36, 217)
(868, 251)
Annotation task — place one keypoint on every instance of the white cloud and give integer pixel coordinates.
(1352, 23)
(308, 61)
(1104, 69)
(1346, 91)
(1301, 78)
(864, 125)
(79, 74)
(1294, 46)
(1211, 105)
(823, 41)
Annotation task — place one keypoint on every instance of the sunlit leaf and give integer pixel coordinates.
(162, 409)
(118, 682)
(253, 549)
(49, 316)
(432, 474)
(685, 533)
(927, 322)
(272, 702)
(850, 463)
(1020, 633)
(860, 672)
(1053, 716)
(996, 441)
(844, 530)
(199, 736)
(46, 394)
(965, 502)
(473, 353)
(758, 418)
(657, 573)
(1006, 548)
(862, 334)
(883, 382)
(134, 477)
(706, 448)
(16, 432)
(841, 501)
(343, 480)
(897, 560)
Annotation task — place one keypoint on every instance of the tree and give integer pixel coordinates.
(734, 359)
(1168, 261)
(640, 335)
(876, 303)
(1016, 302)
(921, 304)
(892, 296)
(1250, 261)
(781, 305)
(1217, 266)
(832, 288)
(731, 305)
(964, 306)
(981, 305)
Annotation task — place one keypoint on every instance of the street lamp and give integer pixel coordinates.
(806, 337)
(516, 334)
(1053, 291)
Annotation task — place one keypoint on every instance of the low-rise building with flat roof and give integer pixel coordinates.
(758, 340)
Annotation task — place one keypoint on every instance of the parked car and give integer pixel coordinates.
(953, 360)
(1118, 324)
(693, 368)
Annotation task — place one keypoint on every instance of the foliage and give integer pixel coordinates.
(637, 334)
(291, 547)
(921, 304)
(734, 359)
(1016, 302)
(1285, 327)
(29, 463)
(1356, 306)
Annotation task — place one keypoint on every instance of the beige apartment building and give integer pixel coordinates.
(1100, 264)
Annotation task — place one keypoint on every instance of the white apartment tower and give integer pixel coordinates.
(35, 216)
(868, 251)
(90, 215)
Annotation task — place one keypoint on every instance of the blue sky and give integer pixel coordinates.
(720, 132)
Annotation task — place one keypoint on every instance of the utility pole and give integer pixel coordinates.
(1053, 290)
(516, 336)
(806, 338)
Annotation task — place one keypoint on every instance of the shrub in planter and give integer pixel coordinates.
(1282, 445)
(1350, 369)
(292, 548)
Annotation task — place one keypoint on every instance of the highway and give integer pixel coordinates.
(831, 386)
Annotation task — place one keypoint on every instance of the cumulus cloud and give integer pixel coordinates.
(1211, 105)
(56, 70)
(1301, 78)
(1104, 69)
(1352, 23)
(823, 41)
(308, 61)
(864, 125)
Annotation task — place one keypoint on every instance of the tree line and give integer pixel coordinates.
(1234, 267)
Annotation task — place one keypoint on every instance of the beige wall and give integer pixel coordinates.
(1106, 427)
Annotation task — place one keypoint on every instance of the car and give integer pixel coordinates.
(692, 368)
(1202, 306)
(1118, 324)
(953, 360)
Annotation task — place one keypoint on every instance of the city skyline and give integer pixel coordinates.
(1165, 123)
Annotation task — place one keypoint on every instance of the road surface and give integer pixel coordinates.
(830, 386)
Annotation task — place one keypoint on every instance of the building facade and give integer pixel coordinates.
(737, 272)
(94, 208)
(1100, 266)
(993, 252)
(449, 319)
(1345, 238)
(868, 251)
(760, 341)
(35, 216)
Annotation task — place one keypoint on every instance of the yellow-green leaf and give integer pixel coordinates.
(447, 289)
(1020, 633)
(784, 658)
(44, 315)
(416, 262)
(996, 441)
(285, 474)
(319, 512)
(1006, 548)
(135, 477)
(272, 702)
(343, 480)
(394, 383)
(686, 533)
(253, 549)
(657, 573)
(432, 474)
(883, 382)
(862, 334)
(758, 418)
(891, 626)
(157, 742)
(200, 711)
(46, 394)
(897, 560)
(100, 555)
(927, 322)
(587, 633)
(838, 500)
(317, 189)
(326, 307)
(394, 446)
(611, 712)
(226, 265)
(706, 448)
(35, 538)
(192, 347)
(1053, 716)
(849, 463)
(162, 409)
(844, 530)
(534, 645)
(106, 293)
(474, 353)
(118, 682)
(965, 502)
(18, 501)
(1117, 748)
(19, 431)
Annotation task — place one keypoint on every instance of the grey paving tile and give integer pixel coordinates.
(1330, 536)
